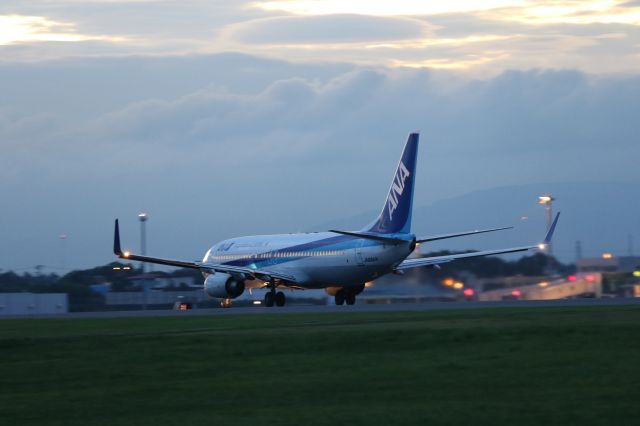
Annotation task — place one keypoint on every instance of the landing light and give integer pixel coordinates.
(607, 255)
(126, 254)
(545, 199)
(542, 246)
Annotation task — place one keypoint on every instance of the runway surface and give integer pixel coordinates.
(332, 309)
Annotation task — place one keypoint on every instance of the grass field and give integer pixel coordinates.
(549, 366)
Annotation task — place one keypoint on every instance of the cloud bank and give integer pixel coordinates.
(328, 30)
(483, 38)
(238, 154)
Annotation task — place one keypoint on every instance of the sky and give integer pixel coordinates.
(231, 118)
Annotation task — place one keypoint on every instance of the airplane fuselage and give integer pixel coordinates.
(317, 260)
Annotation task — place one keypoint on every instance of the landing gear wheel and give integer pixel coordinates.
(280, 299)
(339, 298)
(350, 298)
(268, 299)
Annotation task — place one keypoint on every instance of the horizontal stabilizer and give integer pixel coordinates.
(460, 234)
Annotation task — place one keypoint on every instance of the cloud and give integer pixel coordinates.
(396, 8)
(630, 3)
(484, 39)
(327, 29)
(537, 109)
(24, 29)
(517, 116)
(570, 12)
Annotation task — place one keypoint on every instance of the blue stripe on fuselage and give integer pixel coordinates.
(339, 242)
(274, 260)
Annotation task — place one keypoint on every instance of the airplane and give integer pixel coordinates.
(341, 262)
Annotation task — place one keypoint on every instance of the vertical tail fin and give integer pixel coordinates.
(396, 213)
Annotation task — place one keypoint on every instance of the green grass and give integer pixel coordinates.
(549, 366)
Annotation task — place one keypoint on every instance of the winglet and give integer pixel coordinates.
(129, 256)
(116, 240)
(547, 239)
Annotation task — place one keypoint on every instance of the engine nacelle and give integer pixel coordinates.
(223, 286)
(331, 291)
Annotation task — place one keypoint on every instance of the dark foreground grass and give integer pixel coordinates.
(542, 366)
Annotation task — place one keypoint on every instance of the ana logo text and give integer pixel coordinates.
(397, 188)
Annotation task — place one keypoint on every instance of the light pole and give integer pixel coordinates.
(143, 250)
(547, 201)
(63, 255)
(143, 236)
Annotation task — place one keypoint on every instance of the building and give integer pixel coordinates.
(131, 298)
(33, 304)
(157, 280)
(609, 263)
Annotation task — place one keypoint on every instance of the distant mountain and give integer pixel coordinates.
(602, 215)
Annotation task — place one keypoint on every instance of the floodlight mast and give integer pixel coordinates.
(547, 202)
(142, 217)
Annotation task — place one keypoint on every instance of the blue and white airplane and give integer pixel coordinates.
(339, 261)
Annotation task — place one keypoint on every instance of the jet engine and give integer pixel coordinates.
(332, 291)
(223, 286)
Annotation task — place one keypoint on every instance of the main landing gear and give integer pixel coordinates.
(343, 296)
(274, 297)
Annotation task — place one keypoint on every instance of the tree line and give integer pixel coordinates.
(77, 284)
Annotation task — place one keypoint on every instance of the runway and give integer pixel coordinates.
(333, 309)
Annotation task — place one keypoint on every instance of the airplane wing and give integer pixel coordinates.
(261, 274)
(207, 267)
(459, 234)
(436, 260)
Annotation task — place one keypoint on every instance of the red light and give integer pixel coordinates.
(516, 293)
(468, 292)
(572, 278)
(591, 278)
